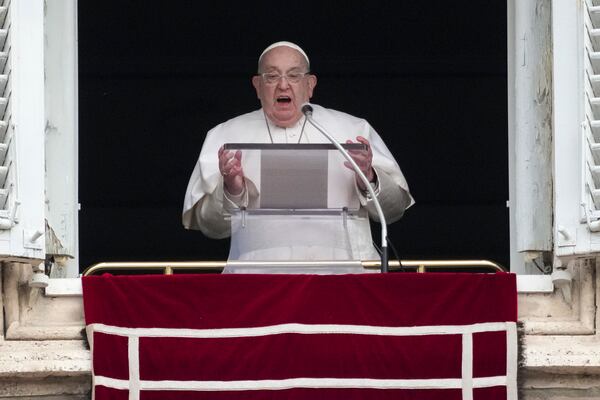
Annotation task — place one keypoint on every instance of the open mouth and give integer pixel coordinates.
(284, 99)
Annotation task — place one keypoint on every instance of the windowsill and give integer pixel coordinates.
(534, 284)
(525, 284)
(64, 287)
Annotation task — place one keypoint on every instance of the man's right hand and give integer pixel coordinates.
(230, 166)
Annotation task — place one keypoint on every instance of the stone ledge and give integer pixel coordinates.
(563, 354)
(41, 359)
(537, 384)
(19, 332)
(50, 388)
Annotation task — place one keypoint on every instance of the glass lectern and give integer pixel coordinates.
(301, 212)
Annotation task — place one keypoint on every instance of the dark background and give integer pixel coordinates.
(154, 77)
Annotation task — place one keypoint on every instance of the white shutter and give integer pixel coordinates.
(22, 124)
(7, 208)
(576, 128)
(591, 124)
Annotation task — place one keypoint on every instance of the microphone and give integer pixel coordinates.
(307, 110)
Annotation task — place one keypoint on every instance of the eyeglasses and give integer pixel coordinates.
(271, 78)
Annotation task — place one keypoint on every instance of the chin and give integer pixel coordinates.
(285, 120)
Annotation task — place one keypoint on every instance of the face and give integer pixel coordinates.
(282, 100)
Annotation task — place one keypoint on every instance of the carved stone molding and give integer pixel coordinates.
(553, 314)
(29, 315)
(561, 364)
(42, 354)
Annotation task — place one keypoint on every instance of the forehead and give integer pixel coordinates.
(283, 58)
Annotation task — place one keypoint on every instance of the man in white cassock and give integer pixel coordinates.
(218, 184)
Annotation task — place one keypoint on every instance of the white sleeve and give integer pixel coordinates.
(392, 190)
(392, 197)
(205, 205)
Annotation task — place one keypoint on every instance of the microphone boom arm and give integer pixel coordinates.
(307, 110)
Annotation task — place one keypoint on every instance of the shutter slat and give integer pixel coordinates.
(3, 60)
(3, 12)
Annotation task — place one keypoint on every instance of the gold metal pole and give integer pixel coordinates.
(205, 266)
(168, 267)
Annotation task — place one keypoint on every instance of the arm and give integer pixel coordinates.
(208, 214)
(216, 187)
(385, 176)
(394, 199)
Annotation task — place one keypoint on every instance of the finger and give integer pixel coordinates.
(224, 156)
(230, 166)
(350, 142)
(221, 150)
(235, 173)
(235, 163)
(355, 153)
(221, 157)
(222, 163)
(228, 159)
(364, 141)
(238, 155)
(237, 170)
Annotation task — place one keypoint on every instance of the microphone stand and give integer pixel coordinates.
(308, 110)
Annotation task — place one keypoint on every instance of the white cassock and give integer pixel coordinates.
(207, 206)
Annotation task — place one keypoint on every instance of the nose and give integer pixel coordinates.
(283, 83)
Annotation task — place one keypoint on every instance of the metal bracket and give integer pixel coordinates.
(32, 239)
(566, 237)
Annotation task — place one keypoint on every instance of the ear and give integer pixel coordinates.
(256, 80)
(312, 82)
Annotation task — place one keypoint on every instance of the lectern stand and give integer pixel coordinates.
(303, 212)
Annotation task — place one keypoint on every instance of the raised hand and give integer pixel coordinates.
(364, 160)
(230, 167)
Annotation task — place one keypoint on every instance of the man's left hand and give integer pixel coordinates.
(364, 160)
